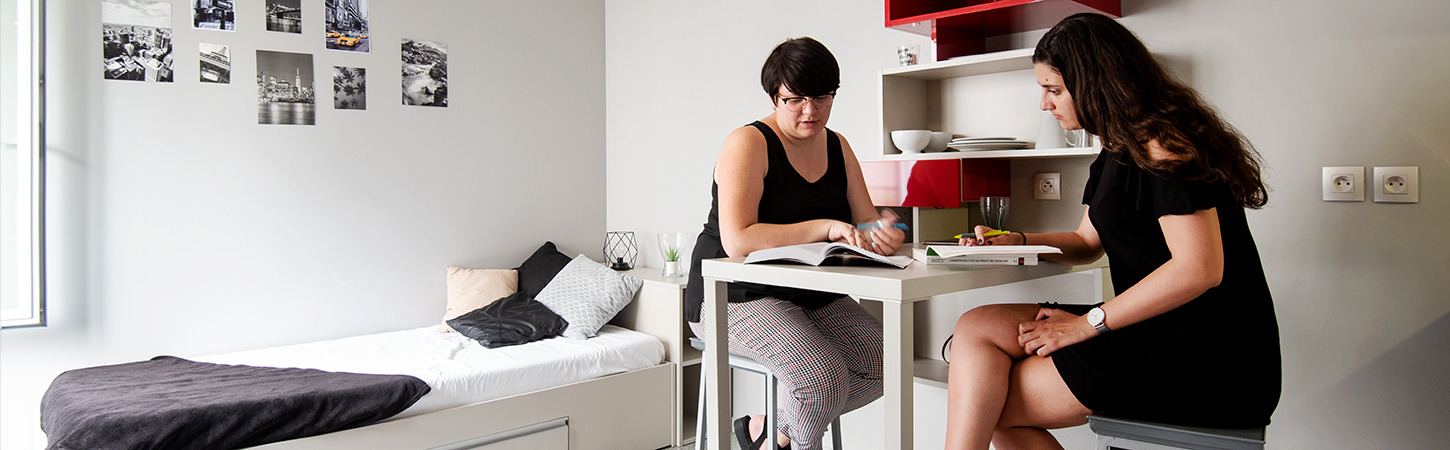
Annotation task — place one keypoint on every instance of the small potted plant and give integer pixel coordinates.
(672, 248)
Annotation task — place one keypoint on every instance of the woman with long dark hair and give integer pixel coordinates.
(1190, 336)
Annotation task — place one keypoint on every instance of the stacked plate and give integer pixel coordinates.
(986, 143)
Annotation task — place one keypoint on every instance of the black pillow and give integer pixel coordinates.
(516, 319)
(540, 268)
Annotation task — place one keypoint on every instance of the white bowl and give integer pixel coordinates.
(911, 141)
(939, 141)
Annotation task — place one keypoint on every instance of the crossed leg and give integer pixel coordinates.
(996, 392)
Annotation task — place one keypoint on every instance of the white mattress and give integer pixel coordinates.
(459, 370)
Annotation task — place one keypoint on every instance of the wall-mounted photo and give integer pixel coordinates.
(347, 25)
(285, 93)
(349, 87)
(216, 63)
(284, 16)
(425, 73)
(213, 15)
(136, 40)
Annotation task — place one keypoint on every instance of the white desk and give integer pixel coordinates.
(895, 288)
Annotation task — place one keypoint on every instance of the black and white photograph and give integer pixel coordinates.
(285, 94)
(136, 40)
(347, 25)
(349, 87)
(216, 63)
(284, 16)
(425, 73)
(213, 15)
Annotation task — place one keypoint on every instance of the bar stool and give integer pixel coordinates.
(1139, 435)
(747, 364)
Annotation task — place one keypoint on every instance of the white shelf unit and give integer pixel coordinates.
(990, 94)
(661, 303)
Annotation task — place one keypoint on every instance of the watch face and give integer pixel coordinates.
(1095, 316)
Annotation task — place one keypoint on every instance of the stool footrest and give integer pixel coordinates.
(1178, 435)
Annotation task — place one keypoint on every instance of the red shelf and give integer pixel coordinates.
(962, 30)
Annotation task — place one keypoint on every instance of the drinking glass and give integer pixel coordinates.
(909, 54)
(994, 211)
(672, 248)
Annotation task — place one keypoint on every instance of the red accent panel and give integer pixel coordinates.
(926, 183)
(986, 178)
(959, 27)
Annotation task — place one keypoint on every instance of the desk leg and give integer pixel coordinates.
(897, 342)
(715, 369)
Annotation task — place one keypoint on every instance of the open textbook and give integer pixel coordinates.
(1015, 255)
(816, 253)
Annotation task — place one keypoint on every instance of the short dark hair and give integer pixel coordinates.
(1123, 95)
(803, 65)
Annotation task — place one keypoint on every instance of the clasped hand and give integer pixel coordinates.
(1052, 330)
(883, 238)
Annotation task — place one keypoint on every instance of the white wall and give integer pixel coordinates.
(1359, 287)
(179, 226)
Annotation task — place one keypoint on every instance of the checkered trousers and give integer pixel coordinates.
(829, 359)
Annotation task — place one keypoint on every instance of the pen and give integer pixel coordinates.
(874, 225)
(989, 234)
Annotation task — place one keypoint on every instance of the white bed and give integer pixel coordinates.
(634, 408)
(617, 390)
(459, 371)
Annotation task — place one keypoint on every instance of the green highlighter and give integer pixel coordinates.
(989, 234)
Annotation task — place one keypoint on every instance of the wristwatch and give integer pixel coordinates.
(1098, 319)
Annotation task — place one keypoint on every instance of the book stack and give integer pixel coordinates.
(960, 255)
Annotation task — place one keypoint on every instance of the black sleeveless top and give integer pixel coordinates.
(787, 198)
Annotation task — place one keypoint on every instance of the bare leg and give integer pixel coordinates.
(1024, 437)
(998, 394)
(984, 346)
(1037, 400)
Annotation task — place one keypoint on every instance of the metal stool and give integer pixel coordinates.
(747, 364)
(1138, 435)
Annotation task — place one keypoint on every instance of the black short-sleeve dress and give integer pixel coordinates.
(1214, 361)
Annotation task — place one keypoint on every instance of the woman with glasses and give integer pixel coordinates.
(1190, 337)
(782, 180)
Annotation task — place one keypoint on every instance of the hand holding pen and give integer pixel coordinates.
(884, 235)
(987, 236)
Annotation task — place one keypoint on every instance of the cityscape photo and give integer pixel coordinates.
(136, 40)
(285, 91)
(347, 25)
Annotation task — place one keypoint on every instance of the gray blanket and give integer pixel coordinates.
(173, 403)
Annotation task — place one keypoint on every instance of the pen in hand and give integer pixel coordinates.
(984, 236)
(874, 225)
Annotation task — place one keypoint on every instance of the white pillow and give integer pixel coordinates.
(588, 295)
(470, 289)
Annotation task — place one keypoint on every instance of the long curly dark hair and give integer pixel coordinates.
(1122, 95)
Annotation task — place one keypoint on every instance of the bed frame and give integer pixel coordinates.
(631, 410)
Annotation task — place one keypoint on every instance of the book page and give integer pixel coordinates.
(815, 254)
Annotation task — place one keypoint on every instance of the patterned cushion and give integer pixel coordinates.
(588, 295)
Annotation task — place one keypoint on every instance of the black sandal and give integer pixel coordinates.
(742, 434)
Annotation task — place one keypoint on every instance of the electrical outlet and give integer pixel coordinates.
(1400, 184)
(1047, 186)
(1344, 184)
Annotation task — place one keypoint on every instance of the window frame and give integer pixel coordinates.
(30, 134)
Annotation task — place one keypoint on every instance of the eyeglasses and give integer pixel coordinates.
(796, 104)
